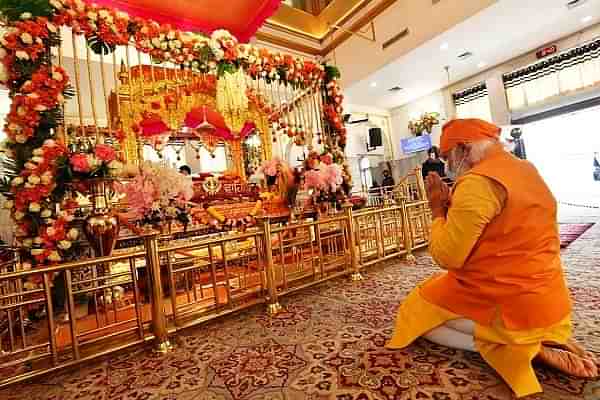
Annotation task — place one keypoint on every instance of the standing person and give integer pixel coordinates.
(388, 180)
(504, 294)
(433, 163)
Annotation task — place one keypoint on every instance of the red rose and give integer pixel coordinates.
(80, 163)
(327, 159)
(105, 153)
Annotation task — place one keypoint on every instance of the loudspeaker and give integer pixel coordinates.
(375, 137)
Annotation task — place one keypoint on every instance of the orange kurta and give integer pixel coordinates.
(477, 203)
(514, 269)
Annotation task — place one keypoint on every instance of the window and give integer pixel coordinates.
(565, 73)
(473, 102)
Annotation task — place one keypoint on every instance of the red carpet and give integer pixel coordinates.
(571, 232)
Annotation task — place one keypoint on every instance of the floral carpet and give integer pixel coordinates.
(327, 344)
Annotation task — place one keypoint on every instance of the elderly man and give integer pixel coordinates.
(504, 294)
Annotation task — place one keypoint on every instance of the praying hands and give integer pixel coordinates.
(438, 194)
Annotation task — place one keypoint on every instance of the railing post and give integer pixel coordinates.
(356, 275)
(273, 306)
(408, 242)
(159, 321)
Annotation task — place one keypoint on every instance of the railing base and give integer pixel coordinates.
(411, 259)
(164, 347)
(274, 308)
(356, 277)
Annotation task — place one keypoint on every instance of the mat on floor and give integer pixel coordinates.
(571, 232)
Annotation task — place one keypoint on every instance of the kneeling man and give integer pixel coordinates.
(504, 293)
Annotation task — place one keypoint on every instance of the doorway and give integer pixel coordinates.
(563, 148)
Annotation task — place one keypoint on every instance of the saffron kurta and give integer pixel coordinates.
(500, 244)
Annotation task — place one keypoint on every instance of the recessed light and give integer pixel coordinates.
(587, 19)
(373, 84)
(444, 46)
(482, 64)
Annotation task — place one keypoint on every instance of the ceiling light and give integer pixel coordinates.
(587, 19)
(444, 46)
(482, 64)
(373, 84)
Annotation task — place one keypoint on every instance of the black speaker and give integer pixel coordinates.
(375, 137)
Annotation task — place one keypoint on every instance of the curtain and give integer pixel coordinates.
(566, 73)
(473, 102)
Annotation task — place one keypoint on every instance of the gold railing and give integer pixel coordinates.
(59, 316)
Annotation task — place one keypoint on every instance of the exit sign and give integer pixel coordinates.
(546, 51)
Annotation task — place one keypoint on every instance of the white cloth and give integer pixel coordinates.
(456, 334)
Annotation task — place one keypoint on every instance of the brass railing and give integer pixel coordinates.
(59, 316)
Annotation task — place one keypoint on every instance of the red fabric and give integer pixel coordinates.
(195, 117)
(241, 17)
(466, 131)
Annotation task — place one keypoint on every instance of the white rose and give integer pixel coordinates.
(19, 215)
(26, 38)
(57, 76)
(8, 204)
(37, 252)
(37, 160)
(54, 256)
(27, 243)
(34, 179)
(122, 15)
(103, 13)
(51, 27)
(56, 4)
(171, 35)
(38, 152)
(64, 245)
(155, 42)
(73, 234)
(47, 178)
(46, 213)
(92, 15)
(26, 15)
(17, 181)
(35, 207)
(50, 143)
(164, 45)
(37, 240)
(22, 55)
(30, 166)
(51, 231)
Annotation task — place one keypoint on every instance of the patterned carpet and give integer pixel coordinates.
(328, 344)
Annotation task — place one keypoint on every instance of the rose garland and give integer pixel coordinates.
(38, 90)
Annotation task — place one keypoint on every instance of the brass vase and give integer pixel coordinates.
(102, 226)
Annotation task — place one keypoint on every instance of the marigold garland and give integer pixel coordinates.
(37, 91)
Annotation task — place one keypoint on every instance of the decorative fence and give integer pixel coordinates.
(59, 316)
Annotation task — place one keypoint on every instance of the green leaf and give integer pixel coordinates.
(13, 9)
(332, 72)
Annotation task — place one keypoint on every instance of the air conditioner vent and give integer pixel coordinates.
(575, 3)
(465, 55)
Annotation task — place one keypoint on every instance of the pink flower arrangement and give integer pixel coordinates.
(325, 178)
(105, 153)
(271, 167)
(79, 162)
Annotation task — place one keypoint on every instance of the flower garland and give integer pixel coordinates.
(38, 89)
(425, 123)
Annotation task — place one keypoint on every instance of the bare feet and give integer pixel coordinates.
(573, 347)
(569, 362)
